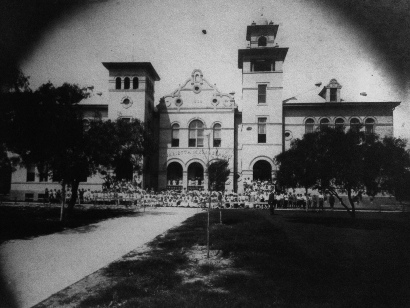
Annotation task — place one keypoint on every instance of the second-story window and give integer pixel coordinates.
(262, 130)
(369, 126)
(175, 135)
(340, 124)
(324, 123)
(355, 124)
(118, 83)
(217, 135)
(126, 83)
(196, 134)
(31, 174)
(309, 126)
(262, 93)
(135, 83)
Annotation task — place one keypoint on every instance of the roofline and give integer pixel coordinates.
(146, 65)
(278, 52)
(339, 104)
(252, 28)
(92, 105)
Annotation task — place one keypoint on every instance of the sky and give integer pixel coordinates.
(324, 42)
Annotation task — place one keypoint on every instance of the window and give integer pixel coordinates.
(333, 94)
(126, 83)
(309, 126)
(196, 134)
(118, 83)
(217, 135)
(29, 197)
(31, 173)
(86, 124)
(263, 65)
(126, 119)
(262, 93)
(135, 83)
(175, 135)
(262, 41)
(288, 135)
(43, 174)
(324, 123)
(354, 124)
(262, 130)
(369, 126)
(340, 124)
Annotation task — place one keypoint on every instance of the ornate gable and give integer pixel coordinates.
(197, 92)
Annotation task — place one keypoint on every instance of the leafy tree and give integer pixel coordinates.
(218, 173)
(349, 162)
(46, 129)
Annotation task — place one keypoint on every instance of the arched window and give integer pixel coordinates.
(355, 124)
(262, 41)
(340, 124)
(196, 134)
(135, 83)
(126, 83)
(118, 83)
(217, 135)
(175, 135)
(324, 123)
(309, 126)
(369, 126)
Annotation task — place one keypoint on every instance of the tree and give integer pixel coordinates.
(45, 128)
(349, 162)
(218, 173)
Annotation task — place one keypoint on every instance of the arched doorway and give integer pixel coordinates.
(195, 177)
(262, 170)
(174, 176)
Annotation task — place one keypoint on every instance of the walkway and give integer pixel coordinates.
(39, 267)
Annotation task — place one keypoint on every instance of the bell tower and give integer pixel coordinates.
(262, 73)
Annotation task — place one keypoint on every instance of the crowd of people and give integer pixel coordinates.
(256, 195)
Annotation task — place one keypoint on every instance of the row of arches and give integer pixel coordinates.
(196, 129)
(340, 124)
(262, 170)
(126, 83)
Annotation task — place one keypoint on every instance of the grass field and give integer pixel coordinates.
(291, 259)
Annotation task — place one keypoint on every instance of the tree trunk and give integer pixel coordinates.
(62, 200)
(74, 196)
(306, 194)
(351, 212)
(349, 196)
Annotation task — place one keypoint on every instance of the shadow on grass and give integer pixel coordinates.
(361, 222)
(270, 268)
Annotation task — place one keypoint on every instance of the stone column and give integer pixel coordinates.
(184, 179)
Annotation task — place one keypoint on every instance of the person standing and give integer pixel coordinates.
(271, 202)
(219, 199)
(321, 201)
(332, 201)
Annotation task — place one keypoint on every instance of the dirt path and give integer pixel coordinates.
(37, 268)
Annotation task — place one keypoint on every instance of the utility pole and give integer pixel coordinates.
(209, 191)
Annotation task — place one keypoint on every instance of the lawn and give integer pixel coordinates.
(291, 259)
(25, 221)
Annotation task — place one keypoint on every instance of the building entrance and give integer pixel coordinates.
(262, 171)
(195, 177)
(174, 176)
